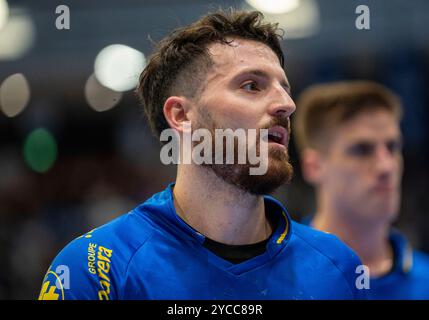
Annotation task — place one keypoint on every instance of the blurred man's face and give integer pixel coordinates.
(362, 168)
(247, 88)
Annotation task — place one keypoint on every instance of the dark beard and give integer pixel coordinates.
(238, 176)
(279, 170)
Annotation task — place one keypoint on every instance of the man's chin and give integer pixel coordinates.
(278, 154)
(278, 173)
(380, 213)
(268, 184)
(279, 164)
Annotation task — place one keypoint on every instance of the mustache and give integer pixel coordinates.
(279, 121)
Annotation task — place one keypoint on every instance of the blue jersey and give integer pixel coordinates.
(151, 253)
(409, 277)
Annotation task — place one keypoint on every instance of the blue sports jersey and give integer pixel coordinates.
(151, 253)
(409, 277)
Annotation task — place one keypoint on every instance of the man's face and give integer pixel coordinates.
(362, 168)
(247, 88)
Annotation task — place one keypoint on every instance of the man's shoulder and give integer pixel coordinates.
(410, 259)
(327, 246)
(421, 263)
(324, 242)
(126, 233)
(97, 261)
(325, 253)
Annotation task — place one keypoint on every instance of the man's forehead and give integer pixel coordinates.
(373, 125)
(241, 51)
(242, 54)
(241, 44)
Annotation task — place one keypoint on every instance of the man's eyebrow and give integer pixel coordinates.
(370, 141)
(262, 74)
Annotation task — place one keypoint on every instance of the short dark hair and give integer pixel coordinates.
(322, 108)
(180, 62)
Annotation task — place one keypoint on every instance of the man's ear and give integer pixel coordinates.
(312, 166)
(176, 110)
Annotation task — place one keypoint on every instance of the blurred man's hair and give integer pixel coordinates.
(181, 61)
(323, 108)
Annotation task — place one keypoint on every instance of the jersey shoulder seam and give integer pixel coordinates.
(330, 259)
(129, 262)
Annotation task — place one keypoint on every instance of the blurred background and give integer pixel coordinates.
(75, 151)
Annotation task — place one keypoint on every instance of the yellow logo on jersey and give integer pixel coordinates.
(51, 292)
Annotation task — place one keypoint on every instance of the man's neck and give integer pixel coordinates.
(369, 240)
(218, 210)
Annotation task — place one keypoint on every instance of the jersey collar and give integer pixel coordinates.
(402, 250)
(278, 239)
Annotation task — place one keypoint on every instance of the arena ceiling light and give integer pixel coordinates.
(299, 19)
(14, 95)
(118, 67)
(99, 97)
(17, 35)
(274, 6)
(4, 13)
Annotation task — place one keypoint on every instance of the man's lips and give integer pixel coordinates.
(384, 188)
(278, 134)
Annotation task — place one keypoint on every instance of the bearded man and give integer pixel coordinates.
(214, 233)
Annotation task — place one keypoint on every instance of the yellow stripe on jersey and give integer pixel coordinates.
(286, 230)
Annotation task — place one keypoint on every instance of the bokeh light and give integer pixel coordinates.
(17, 35)
(14, 94)
(299, 18)
(99, 97)
(118, 67)
(40, 150)
(4, 13)
(274, 6)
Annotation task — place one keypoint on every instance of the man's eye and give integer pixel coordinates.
(250, 86)
(361, 150)
(394, 146)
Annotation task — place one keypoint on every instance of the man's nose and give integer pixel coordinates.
(385, 160)
(281, 104)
